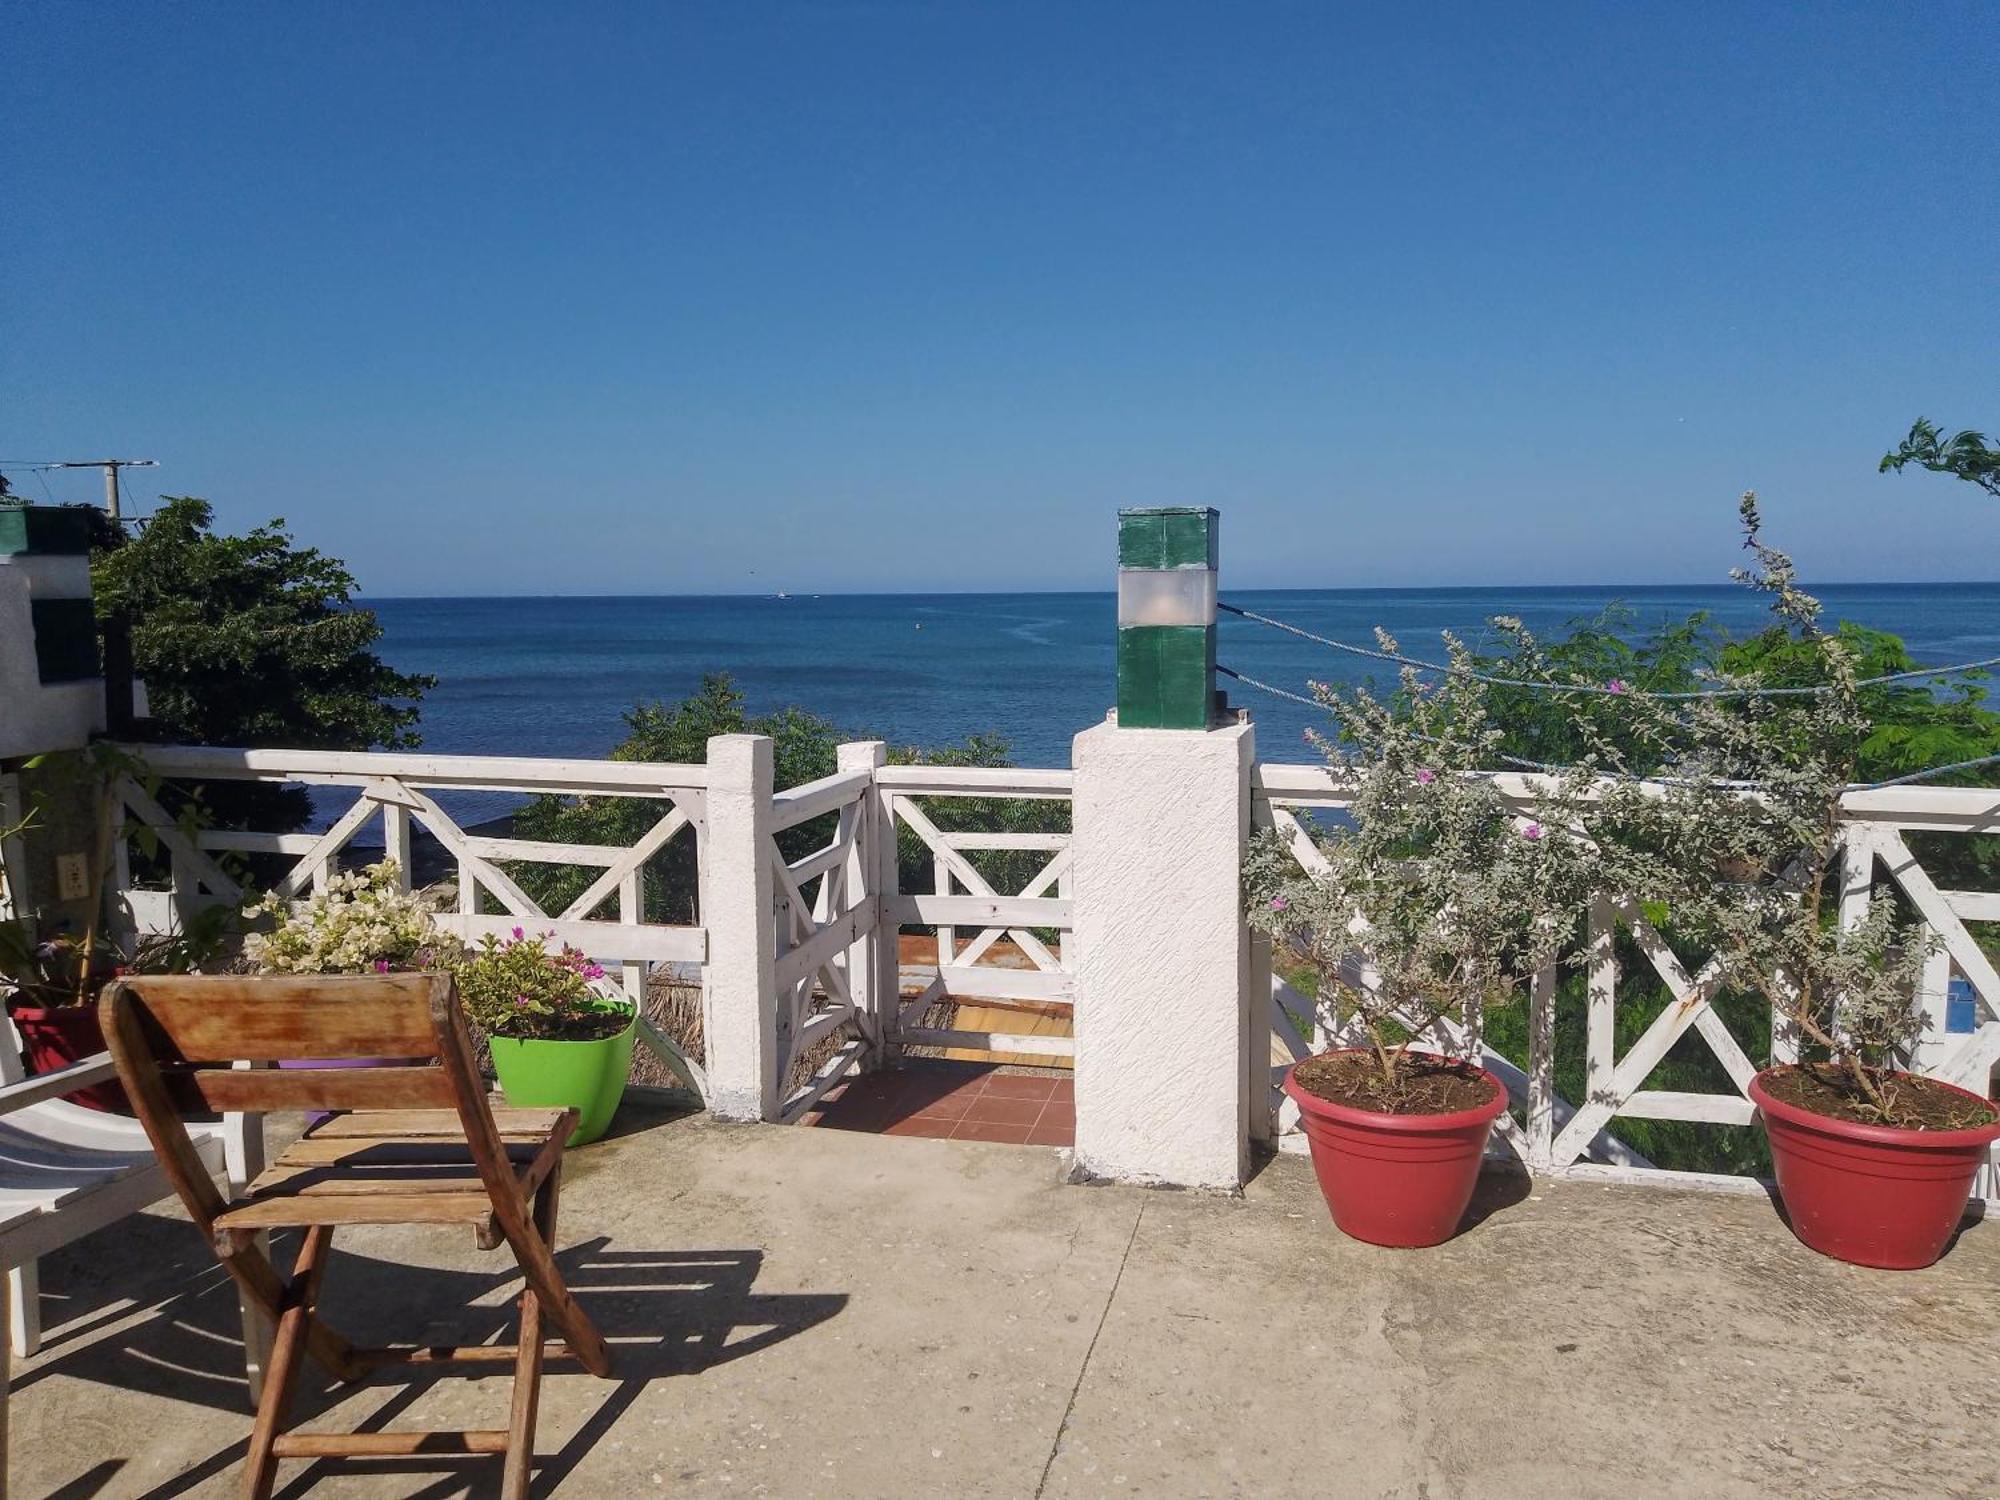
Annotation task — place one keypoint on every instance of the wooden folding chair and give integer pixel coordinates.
(420, 1146)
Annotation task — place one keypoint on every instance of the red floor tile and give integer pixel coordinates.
(988, 1110)
(1018, 1086)
(988, 1130)
(950, 1100)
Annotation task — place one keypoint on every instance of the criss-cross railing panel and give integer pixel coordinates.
(978, 925)
(395, 794)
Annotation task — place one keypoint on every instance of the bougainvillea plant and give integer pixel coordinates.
(521, 986)
(362, 922)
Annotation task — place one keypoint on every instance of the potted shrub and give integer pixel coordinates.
(362, 922)
(556, 1040)
(1874, 1164)
(51, 971)
(1445, 896)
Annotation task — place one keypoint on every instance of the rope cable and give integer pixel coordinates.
(1397, 658)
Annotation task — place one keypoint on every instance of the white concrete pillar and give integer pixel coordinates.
(870, 980)
(738, 907)
(1164, 1011)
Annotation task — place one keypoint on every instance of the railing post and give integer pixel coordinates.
(1165, 1012)
(873, 991)
(738, 906)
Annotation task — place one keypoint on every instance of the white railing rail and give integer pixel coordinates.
(394, 794)
(799, 947)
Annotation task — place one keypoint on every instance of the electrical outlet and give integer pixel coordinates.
(72, 877)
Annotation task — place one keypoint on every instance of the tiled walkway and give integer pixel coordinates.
(956, 1101)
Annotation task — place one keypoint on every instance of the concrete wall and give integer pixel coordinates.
(35, 718)
(1163, 965)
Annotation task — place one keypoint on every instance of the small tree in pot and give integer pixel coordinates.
(1874, 1164)
(1451, 890)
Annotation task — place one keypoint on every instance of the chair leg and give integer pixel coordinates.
(24, 1297)
(257, 1334)
(6, 1379)
(534, 1246)
(288, 1348)
(528, 1362)
(527, 1400)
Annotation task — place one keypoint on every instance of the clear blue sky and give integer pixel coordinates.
(720, 298)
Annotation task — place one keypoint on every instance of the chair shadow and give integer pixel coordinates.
(665, 1313)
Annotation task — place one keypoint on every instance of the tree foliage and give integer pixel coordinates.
(804, 748)
(1964, 455)
(251, 640)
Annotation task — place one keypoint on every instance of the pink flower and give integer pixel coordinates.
(1279, 903)
(1616, 684)
(1532, 831)
(381, 966)
(1425, 776)
(519, 935)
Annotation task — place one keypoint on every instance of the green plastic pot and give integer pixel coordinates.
(588, 1077)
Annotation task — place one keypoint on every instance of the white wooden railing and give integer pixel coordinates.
(799, 952)
(394, 794)
(1554, 1136)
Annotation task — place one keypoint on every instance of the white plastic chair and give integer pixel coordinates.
(66, 1171)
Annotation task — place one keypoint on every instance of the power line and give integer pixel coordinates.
(1606, 690)
(1522, 763)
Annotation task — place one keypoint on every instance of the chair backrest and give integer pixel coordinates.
(181, 1043)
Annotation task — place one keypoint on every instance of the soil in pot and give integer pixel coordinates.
(1403, 1175)
(1861, 1191)
(583, 1066)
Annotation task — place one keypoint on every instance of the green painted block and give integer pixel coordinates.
(1166, 676)
(65, 640)
(1174, 536)
(44, 530)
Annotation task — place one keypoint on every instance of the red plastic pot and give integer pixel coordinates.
(53, 1037)
(1398, 1180)
(1873, 1195)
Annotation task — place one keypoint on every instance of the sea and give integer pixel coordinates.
(555, 676)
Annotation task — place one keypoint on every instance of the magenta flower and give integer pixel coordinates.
(1532, 831)
(1616, 684)
(519, 935)
(1425, 776)
(1279, 903)
(381, 966)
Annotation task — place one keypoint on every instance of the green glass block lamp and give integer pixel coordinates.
(1166, 617)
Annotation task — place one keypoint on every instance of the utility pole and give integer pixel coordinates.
(110, 466)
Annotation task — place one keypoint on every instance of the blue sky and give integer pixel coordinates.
(722, 298)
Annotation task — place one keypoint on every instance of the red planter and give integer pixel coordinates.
(56, 1036)
(1398, 1180)
(1873, 1195)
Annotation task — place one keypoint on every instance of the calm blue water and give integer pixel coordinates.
(552, 676)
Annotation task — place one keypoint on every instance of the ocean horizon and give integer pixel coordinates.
(553, 675)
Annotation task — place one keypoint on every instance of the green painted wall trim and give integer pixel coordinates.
(1166, 676)
(65, 640)
(1172, 536)
(44, 530)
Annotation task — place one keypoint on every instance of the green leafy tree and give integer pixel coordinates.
(1964, 455)
(804, 748)
(251, 640)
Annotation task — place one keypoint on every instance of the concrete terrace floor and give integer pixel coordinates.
(825, 1313)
